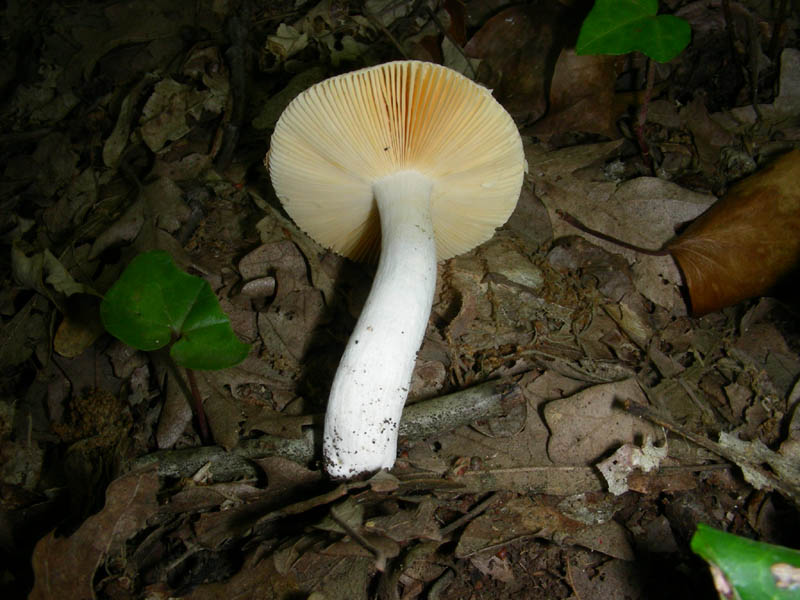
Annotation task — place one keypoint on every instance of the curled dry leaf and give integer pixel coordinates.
(746, 242)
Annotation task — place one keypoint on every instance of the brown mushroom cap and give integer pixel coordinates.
(340, 135)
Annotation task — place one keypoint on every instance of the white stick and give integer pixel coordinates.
(371, 384)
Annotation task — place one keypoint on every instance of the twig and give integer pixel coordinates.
(468, 516)
(729, 454)
(749, 67)
(379, 25)
(487, 400)
(726, 12)
(429, 417)
(380, 555)
(753, 51)
(502, 544)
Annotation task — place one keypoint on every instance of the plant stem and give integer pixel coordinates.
(641, 117)
(197, 408)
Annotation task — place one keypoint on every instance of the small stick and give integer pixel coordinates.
(499, 545)
(466, 517)
(493, 398)
(729, 454)
(380, 555)
(376, 22)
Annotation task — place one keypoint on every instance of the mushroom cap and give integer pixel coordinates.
(339, 136)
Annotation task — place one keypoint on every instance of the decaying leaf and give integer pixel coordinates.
(644, 211)
(518, 48)
(746, 242)
(784, 463)
(44, 273)
(586, 425)
(628, 457)
(523, 517)
(582, 98)
(286, 42)
(593, 579)
(21, 335)
(164, 114)
(116, 142)
(68, 564)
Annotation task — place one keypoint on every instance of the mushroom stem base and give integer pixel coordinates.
(371, 385)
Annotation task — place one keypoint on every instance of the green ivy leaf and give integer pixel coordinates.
(622, 26)
(753, 570)
(154, 302)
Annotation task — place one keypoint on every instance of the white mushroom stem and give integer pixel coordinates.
(371, 384)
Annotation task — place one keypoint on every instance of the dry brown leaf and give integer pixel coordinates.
(259, 580)
(405, 525)
(523, 517)
(518, 48)
(276, 423)
(582, 98)
(586, 425)
(65, 567)
(642, 211)
(611, 580)
(746, 242)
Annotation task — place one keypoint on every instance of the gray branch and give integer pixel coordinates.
(420, 420)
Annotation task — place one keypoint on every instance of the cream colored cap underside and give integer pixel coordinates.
(340, 135)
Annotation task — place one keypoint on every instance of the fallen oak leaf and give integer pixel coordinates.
(745, 243)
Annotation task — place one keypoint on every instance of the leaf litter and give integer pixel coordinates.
(574, 421)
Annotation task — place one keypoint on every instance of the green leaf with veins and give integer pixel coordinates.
(154, 303)
(747, 569)
(622, 26)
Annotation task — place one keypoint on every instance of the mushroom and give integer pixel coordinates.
(411, 161)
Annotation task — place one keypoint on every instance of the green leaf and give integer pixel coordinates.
(754, 570)
(154, 302)
(622, 26)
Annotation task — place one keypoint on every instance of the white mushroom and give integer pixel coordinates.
(414, 161)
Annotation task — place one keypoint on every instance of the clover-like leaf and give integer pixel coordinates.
(622, 26)
(154, 303)
(748, 569)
